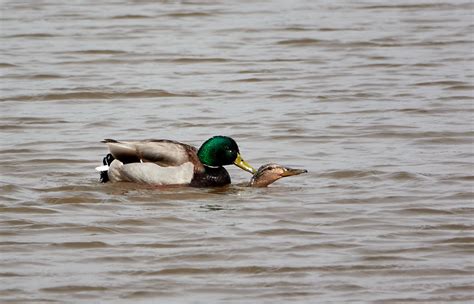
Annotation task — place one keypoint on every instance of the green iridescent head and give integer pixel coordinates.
(221, 151)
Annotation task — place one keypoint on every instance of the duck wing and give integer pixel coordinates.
(162, 152)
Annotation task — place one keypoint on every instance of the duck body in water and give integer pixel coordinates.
(168, 162)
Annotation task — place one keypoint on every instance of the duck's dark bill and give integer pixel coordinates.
(291, 172)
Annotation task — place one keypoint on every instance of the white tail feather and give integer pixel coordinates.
(102, 168)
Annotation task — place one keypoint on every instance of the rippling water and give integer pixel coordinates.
(373, 98)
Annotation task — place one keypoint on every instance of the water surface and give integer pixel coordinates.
(374, 99)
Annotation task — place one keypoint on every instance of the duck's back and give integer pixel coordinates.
(165, 153)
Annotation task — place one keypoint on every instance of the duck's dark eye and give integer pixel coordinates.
(230, 155)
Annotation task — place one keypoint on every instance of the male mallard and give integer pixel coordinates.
(167, 162)
(270, 173)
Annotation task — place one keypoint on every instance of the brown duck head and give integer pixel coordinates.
(270, 173)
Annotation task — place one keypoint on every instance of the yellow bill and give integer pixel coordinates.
(242, 164)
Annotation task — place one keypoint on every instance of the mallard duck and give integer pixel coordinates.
(270, 173)
(167, 162)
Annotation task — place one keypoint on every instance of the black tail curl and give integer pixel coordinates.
(106, 161)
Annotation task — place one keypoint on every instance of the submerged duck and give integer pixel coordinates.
(167, 162)
(270, 173)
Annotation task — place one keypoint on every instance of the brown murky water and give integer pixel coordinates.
(375, 99)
